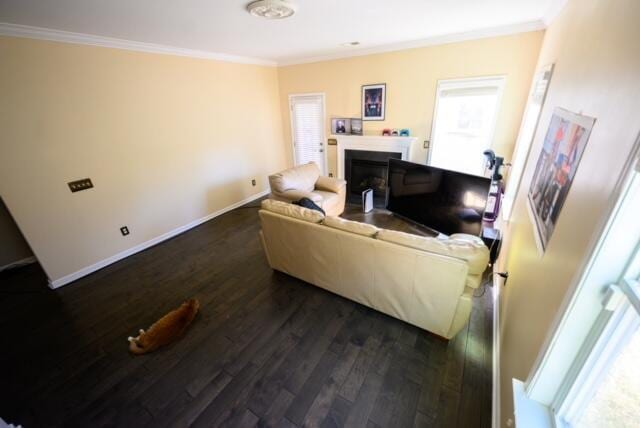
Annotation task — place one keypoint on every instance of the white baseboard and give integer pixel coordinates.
(23, 262)
(150, 243)
(495, 390)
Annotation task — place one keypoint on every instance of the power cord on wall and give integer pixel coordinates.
(504, 275)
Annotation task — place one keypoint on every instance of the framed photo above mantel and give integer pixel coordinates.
(374, 99)
(563, 146)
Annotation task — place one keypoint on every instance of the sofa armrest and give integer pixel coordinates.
(296, 195)
(330, 184)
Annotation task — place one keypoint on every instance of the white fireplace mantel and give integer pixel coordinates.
(373, 143)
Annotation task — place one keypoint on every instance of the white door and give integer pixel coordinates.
(307, 129)
(464, 123)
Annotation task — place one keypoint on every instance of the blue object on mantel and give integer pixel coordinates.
(405, 132)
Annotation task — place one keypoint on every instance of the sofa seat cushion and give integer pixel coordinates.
(351, 226)
(475, 253)
(302, 177)
(290, 210)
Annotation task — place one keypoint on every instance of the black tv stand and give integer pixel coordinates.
(492, 238)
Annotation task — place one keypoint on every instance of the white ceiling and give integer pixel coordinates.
(316, 31)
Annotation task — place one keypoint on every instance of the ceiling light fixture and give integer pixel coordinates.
(271, 9)
(349, 44)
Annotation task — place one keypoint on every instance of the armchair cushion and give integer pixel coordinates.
(308, 203)
(330, 184)
(295, 195)
(302, 177)
(304, 181)
(290, 210)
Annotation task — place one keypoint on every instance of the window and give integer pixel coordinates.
(616, 403)
(603, 387)
(525, 137)
(614, 399)
(589, 375)
(464, 123)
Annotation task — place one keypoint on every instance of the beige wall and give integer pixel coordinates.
(13, 247)
(165, 139)
(411, 77)
(594, 45)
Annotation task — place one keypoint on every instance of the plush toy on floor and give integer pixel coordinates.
(166, 330)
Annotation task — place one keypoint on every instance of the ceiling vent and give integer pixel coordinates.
(271, 9)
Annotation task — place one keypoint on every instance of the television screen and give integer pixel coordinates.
(446, 201)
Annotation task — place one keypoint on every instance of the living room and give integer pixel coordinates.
(154, 164)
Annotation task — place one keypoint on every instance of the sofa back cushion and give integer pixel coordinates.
(290, 210)
(466, 247)
(301, 177)
(351, 226)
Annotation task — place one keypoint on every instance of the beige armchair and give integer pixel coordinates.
(305, 181)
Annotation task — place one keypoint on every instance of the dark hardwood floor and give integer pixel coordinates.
(266, 350)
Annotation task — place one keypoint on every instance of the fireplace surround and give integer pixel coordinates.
(365, 169)
(362, 162)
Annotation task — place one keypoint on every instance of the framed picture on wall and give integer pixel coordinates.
(373, 101)
(563, 146)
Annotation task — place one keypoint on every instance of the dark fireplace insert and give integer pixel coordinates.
(365, 169)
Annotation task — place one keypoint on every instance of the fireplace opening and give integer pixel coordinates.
(366, 169)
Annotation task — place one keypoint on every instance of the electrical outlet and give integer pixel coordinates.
(124, 230)
(78, 185)
(253, 182)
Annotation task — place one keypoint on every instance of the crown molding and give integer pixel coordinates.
(523, 27)
(554, 10)
(26, 31)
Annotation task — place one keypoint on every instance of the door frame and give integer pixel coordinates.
(472, 82)
(323, 130)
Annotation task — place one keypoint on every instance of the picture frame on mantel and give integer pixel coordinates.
(374, 99)
(356, 126)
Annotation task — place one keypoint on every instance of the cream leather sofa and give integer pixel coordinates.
(305, 181)
(427, 282)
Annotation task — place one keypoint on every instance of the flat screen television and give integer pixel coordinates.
(446, 201)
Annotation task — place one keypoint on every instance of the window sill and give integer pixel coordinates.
(529, 413)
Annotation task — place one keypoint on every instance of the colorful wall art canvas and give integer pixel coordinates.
(556, 168)
(373, 101)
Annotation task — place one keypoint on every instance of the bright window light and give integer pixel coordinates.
(464, 123)
(616, 403)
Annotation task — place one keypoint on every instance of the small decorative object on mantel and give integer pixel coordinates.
(340, 126)
(394, 133)
(405, 132)
(373, 101)
(356, 126)
(386, 132)
(563, 147)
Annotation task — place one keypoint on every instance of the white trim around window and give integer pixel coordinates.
(602, 309)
